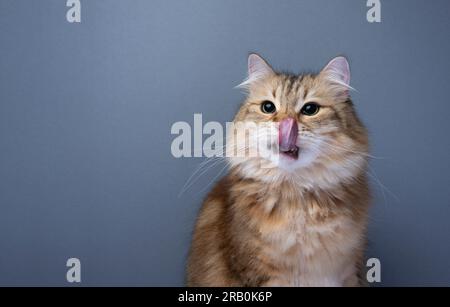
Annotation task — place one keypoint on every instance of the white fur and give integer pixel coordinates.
(313, 263)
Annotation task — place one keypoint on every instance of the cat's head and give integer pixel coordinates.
(303, 127)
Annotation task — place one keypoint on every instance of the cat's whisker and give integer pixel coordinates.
(197, 169)
(194, 177)
(215, 161)
(215, 177)
(369, 171)
(328, 143)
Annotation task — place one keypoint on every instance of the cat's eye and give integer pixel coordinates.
(268, 107)
(310, 109)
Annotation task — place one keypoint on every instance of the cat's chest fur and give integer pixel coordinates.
(309, 242)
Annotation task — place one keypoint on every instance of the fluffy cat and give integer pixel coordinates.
(296, 217)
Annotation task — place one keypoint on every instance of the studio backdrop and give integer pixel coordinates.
(90, 91)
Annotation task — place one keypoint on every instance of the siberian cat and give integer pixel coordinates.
(296, 217)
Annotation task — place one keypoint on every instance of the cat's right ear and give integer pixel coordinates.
(258, 68)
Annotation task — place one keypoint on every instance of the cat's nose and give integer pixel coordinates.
(288, 134)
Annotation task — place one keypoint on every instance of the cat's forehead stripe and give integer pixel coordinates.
(301, 96)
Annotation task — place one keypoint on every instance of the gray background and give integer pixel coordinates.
(86, 110)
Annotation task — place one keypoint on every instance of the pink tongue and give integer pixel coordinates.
(288, 134)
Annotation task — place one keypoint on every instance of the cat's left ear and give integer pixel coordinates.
(338, 71)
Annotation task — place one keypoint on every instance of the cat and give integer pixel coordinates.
(296, 218)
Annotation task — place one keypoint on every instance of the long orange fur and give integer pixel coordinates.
(275, 226)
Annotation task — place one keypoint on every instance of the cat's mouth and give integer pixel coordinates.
(291, 153)
(287, 138)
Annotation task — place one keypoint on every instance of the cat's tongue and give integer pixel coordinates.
(288, 133)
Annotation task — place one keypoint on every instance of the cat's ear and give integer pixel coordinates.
(258, 68)
(337, 71)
